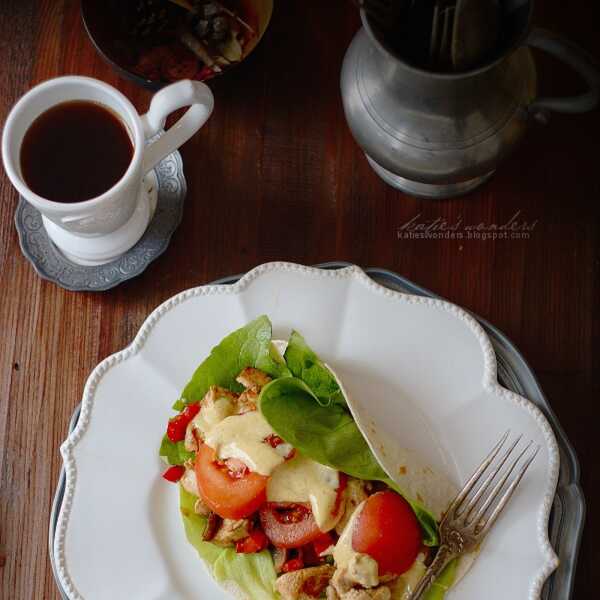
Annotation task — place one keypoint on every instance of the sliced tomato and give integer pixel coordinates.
(288, 524)
(388, 531)
(229, 495)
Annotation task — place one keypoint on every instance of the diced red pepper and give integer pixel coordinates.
(176, 428)
(177, 425)
(191, 410)
(322, 543)
(255, 542)
(293, 564)
(174, 474)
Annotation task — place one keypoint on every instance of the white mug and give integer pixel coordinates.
(99, 230)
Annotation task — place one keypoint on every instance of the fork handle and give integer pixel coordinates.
(442, 558)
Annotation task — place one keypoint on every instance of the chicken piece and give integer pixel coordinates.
(379, 593)
(358, 581)
(231, 531)
(217, 404)
(253, 379)
(201, 509)
(354, 494)
(188, 481)
(248, 401)
(362, 571)
(304, 584)
(190, 442)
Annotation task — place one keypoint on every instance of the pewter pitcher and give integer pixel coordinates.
(439, 135)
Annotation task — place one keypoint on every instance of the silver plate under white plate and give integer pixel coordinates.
(568, 511)
(52, 265)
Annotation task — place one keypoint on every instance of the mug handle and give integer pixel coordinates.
(194, 94)
(578, 60)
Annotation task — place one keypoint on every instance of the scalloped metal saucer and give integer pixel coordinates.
(51, 264)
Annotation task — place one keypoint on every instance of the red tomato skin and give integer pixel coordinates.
(286, 533)
(388, 531)
(229, 497)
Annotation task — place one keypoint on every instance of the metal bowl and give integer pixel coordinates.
(102, 19)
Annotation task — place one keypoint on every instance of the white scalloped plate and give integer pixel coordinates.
(423, 367)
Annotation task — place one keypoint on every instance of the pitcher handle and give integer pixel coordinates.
(578, 60)
(194, 94)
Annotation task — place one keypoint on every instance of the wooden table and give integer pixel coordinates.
(276, 175)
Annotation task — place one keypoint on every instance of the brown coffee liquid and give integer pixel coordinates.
(75, 151)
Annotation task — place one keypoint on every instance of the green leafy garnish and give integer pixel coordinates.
(174, 453)
(306, 365)
(329, 435)
(249, 346)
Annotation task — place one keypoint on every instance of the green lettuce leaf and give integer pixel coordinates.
(194, 528)
(253, 573)
(174, 453)
(329, 435)
(249, 346)
(306, 365)
(442, 584)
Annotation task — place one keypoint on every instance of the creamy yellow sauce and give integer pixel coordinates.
(343, 552)
(297, 480)
(304, 480)
(211, 414)
(243, 437)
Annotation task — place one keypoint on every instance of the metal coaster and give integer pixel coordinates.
(568, 511)
(52, 265)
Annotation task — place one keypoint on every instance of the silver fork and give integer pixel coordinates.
(463, 527)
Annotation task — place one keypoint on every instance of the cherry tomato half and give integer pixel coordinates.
(388, 531)
(231, 497)
(289, 524)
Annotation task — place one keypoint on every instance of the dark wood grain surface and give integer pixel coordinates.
(276, 175)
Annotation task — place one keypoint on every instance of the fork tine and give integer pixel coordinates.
(456, 503)
(507, 495)
(472, 504)
(498, 487)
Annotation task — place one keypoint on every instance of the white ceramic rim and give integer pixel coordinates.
(490, 383)
(133, 121)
